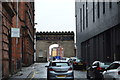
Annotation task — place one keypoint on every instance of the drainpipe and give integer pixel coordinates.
(17, 21)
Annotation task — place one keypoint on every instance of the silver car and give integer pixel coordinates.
(60, 69)
(112, 72)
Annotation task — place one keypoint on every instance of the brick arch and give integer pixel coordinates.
(45, 39)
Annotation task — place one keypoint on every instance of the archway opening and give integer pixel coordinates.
(56, 51)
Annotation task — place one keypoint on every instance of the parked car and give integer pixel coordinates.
(50, 59)
(112, 72)
(65, 58)
(78, 63)
(60, 69)
(96, 69)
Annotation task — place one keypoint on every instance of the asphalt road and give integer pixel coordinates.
(38, 71)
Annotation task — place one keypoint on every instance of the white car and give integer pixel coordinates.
(112, 72)
(60, 69)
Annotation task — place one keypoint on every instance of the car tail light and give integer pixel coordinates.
(119, 72)
(99, 68)
(70, 69)
(50, 69)
(75, 63)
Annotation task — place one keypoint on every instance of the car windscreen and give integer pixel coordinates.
(104, 65)
(78, 60)
(114, 66)
(59, 64)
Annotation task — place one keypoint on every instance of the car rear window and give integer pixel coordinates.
(60, 64)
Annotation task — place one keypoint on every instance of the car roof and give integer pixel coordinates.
(101, 62)
(59, 61)
(117, 62)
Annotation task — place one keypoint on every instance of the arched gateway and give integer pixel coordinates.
(44, 40)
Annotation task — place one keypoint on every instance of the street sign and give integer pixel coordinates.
(15, 32)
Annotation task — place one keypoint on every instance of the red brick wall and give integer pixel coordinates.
(17, 46)
(6, 25)
(28, 33)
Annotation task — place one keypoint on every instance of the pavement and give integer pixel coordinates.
(23, 73)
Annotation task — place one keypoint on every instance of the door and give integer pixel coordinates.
(117, 56)
(108, 75)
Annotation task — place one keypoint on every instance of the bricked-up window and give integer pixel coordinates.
(83, 17)
(93, 11)
(86, 14)
(110, 4)
(104, 7)
(98, 6)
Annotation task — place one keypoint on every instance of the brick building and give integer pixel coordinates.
(27, 14)
(16, 51)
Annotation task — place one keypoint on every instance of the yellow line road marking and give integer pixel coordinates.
(32, 76)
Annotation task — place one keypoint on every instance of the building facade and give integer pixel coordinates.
(7, 13)
(44, 40)
(16, 51)
(98, 29)
(27, 14)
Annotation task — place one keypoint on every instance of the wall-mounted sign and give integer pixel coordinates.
(15, 32)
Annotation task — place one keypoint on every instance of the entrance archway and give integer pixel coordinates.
(55, 51)
(51, 47)
(63, 40)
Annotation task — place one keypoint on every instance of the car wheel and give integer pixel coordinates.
(102, 78)
(48, 77)
(88, 77)
(114, 79)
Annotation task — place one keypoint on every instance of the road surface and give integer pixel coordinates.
(38, 71)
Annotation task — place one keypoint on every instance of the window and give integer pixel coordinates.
(86, 14)
(60, 64)
(83, 17)
(40, 53)
(103, 7)
(76, 20)
(114, 66)
(93, 11)
(110, 4)
(98, 9)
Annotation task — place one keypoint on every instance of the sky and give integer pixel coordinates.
(55, 15)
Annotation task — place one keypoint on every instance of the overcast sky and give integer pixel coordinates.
(55, 15)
